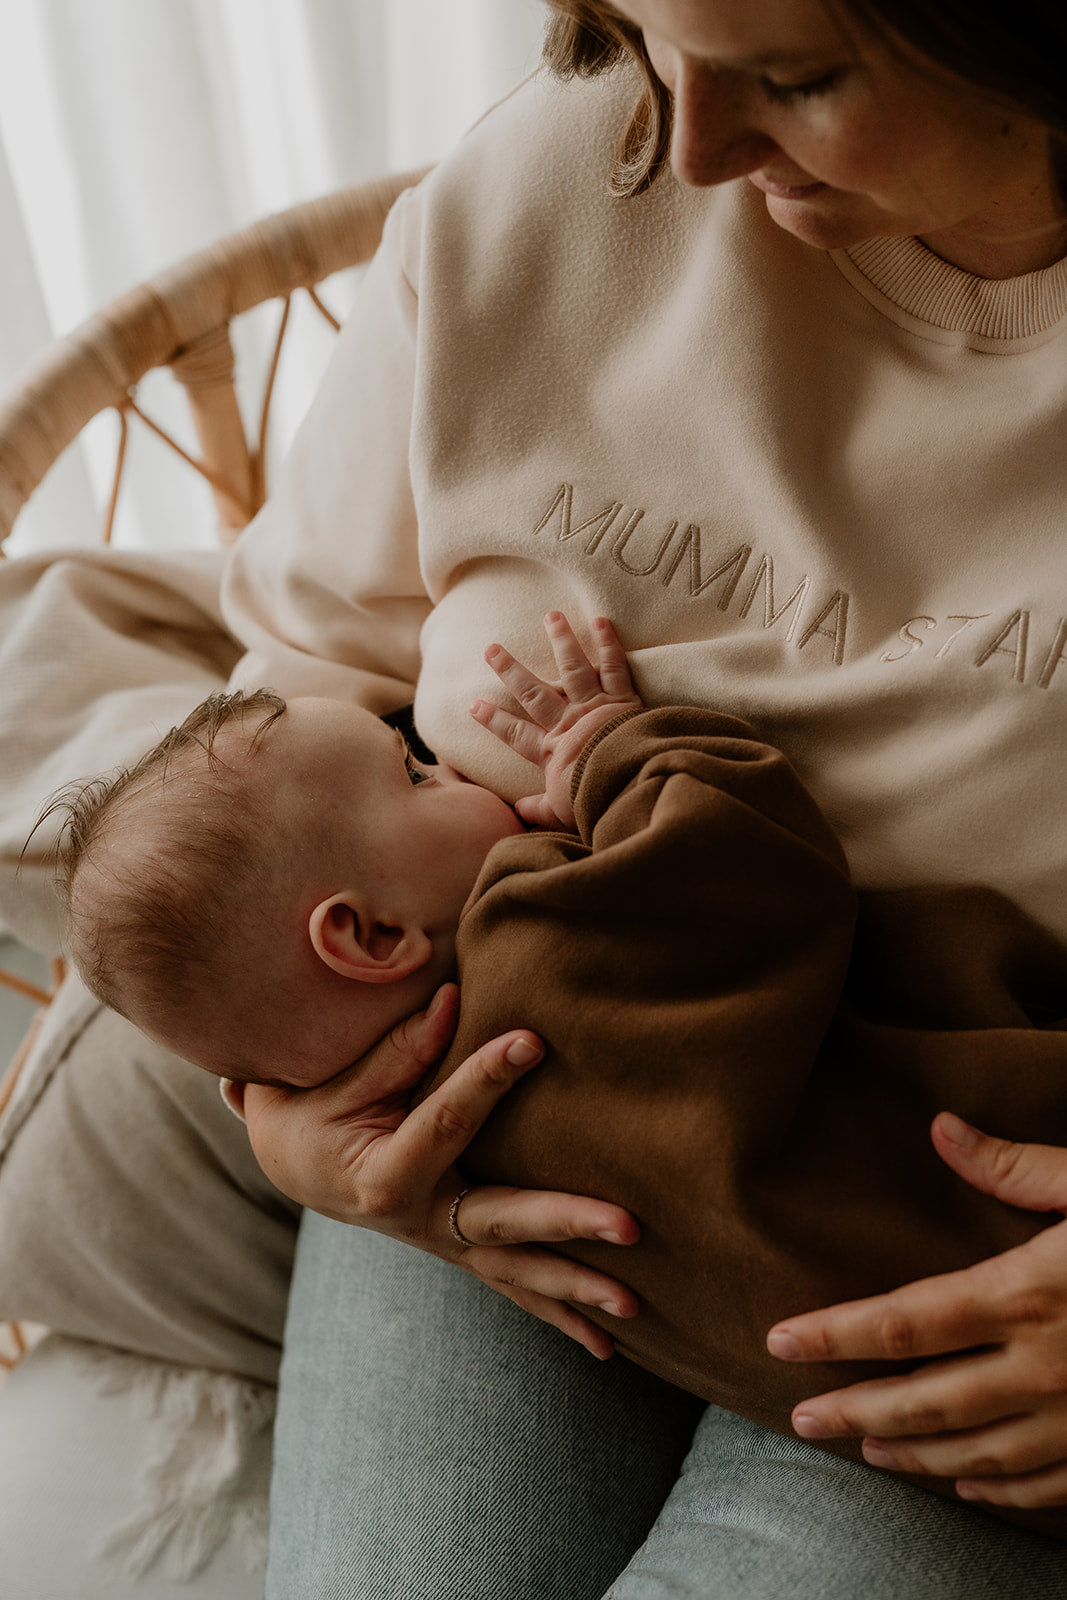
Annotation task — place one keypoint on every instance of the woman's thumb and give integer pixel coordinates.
(1031, 1176)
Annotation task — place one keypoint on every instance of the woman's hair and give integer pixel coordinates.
(584, 39)
(1014, 49)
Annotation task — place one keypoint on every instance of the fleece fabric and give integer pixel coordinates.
(720, 1064)
(822, 492)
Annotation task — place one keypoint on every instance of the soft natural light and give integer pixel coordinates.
(133, 133)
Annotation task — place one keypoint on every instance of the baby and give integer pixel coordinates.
(273, 887)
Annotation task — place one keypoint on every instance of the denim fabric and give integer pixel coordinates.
(755, 1517)
(434, 1442)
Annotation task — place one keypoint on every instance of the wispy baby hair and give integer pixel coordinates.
(159, 917)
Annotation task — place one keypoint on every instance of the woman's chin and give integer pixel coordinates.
(819, 216)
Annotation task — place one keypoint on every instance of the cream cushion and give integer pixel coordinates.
(131, 1208)
(142, 642)
(132, 1211)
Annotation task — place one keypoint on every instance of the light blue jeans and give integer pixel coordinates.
(435, 1443)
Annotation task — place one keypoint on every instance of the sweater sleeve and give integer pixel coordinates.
(748, 782)
(324, 588)
(689, 947)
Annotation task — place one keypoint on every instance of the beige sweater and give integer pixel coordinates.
(823, 492)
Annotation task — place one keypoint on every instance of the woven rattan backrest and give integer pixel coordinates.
(181, 320)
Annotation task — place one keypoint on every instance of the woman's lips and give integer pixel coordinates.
(783, 191)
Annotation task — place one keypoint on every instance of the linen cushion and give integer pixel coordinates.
(132, 1211)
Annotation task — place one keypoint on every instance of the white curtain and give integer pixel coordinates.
(135, 131)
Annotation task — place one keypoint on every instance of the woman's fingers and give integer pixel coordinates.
(401, 1059)
(935, 1316)
(558, 1315)
(1000, 1406)
(1031, 1491)
(492, 1214)
(1012, 1447)
(1032, 1176)
(964, 1392)
(547, 1285)
(554, 1277)
(437, 1132)
(495, 1221)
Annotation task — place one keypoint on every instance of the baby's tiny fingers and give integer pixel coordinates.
(577, 673)
(525, 738)
(542, 704)
(611, 657)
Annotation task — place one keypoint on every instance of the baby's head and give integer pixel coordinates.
(273, 887)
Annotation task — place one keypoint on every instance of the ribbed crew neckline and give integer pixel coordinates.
(951, 302)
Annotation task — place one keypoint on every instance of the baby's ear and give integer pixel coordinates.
(233, 1096)
(346, 936)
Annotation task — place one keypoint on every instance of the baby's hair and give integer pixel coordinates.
(168, 912)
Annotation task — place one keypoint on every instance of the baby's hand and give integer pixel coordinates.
(559, 722)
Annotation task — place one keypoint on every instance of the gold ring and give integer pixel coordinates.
(453, 1225)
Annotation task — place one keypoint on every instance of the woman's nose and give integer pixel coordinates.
(714, 136)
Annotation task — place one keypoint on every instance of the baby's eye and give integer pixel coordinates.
(414, 771)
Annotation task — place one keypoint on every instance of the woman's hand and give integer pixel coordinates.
(995, 1415)
(559, 722)
(352, 1150)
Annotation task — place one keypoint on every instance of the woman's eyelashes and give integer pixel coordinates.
(801, 91)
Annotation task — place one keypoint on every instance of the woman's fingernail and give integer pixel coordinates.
(809, 1427)
(611, 1238)
(876, 1455)
(958, 1132)
(521, 1053)
(969, 1491)
(784, 1345)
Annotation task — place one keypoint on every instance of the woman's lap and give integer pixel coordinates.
(436, 1443)
(755, 1516)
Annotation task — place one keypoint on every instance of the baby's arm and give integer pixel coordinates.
(559, 722)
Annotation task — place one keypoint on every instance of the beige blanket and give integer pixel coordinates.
(101, 651)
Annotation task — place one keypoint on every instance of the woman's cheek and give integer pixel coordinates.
(664, 62)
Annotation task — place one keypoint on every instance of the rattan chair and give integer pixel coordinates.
(181, 320)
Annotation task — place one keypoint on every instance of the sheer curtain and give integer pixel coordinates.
(135, 131)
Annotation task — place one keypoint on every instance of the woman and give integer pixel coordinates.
(795, 422)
